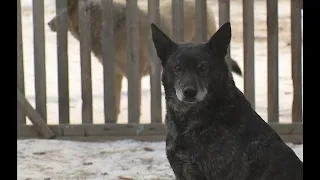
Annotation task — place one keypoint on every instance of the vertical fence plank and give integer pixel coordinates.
(62, 54)
(201, 20)
(248, 50)
(224, 16)
(85, 55)
(39, 57)
(177, 20)
(273, 53)
(296, 45)
(133, 60)
(155, 66)
(300, 4)
(107, 42)
(21, 118)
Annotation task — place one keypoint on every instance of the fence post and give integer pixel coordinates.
(201, 20)
(85, 54)
(21, 117)
(39, 57)
(273, 56)
(63, 67)
(133, 60)
(248, 51)
(296, 45)
(155, 65)
(107, 42)
(224, 16)
(177, 20)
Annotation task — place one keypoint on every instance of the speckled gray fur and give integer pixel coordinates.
(220, 137)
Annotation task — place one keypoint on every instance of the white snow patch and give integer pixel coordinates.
(68, 160)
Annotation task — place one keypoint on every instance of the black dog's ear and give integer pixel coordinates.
(163, 44)
(219, 42)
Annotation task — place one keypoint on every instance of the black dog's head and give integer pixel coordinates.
(193, 72)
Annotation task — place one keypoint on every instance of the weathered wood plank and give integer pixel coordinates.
(296, 139)
(110, 129)
(273, 56)
(296, 48)
(113, 138)
(107, 41)
(85, 55)
(292, 128)
(248, 51)
(30, 131)
(63, 67)
(135, 129)
(201, 20)
(224, 11)
(34, 117)
(177, 21)
(133, 61)
(39, 57)
(155, 66)
(224, 16)
(21, 117)
(301, 4)
(126, 130)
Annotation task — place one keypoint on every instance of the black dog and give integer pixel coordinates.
(212, 131)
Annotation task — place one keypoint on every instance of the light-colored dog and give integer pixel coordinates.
(119, 11)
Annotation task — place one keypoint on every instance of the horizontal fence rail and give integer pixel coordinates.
(96, 28)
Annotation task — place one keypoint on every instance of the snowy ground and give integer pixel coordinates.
(65, 160)
(118, 160)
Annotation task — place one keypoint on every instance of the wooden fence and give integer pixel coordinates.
(292, 132)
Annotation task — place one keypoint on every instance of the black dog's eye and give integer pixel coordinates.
(203, 68)
(177, 67)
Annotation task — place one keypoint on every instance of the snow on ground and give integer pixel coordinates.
(118, 160)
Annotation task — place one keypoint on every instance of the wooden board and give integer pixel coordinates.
(127, 131)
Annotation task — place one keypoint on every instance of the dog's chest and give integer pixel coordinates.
(207, 153)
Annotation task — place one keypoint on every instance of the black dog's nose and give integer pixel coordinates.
(189, 92)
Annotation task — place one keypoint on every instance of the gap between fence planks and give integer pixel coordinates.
(273, 56)
(133, 61)
(85, 58)
(296, 55)
(39, 57)
(62, 58)
(248, 51)
(107, 42)
(155, 66)
(34, 117)
(21, 118)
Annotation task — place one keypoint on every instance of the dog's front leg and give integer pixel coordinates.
(183, 171)
(178, 172)
(176, 165)
(182, 167)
